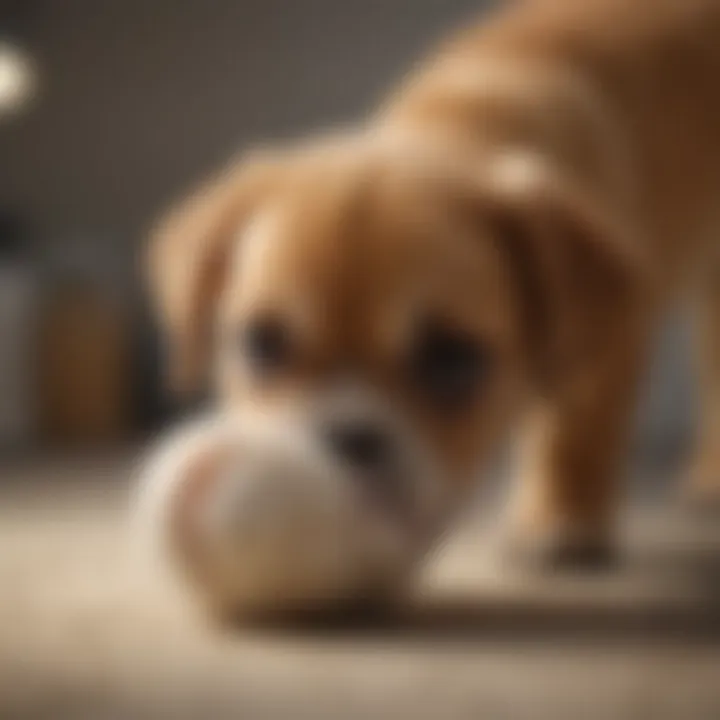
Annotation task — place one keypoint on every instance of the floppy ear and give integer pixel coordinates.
(577, 270)
(187, 262)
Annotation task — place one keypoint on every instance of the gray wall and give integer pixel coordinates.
(140, 97)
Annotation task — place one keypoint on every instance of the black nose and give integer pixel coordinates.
(360, 444)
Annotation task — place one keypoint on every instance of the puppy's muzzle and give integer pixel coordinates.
(363, 445)
(371, 457)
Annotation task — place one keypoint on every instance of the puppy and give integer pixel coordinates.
(492, 251)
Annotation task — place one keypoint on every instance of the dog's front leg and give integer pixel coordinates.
(570, 460)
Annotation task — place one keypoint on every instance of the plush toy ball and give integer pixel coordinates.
(254, 519)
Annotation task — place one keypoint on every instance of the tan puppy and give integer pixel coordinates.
(492, 250)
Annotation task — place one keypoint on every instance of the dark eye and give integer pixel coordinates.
(265, 343)
(448, 365)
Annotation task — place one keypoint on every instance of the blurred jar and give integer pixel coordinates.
(85, 384)
(85, 371)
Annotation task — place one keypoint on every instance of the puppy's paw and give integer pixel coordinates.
(555, 549)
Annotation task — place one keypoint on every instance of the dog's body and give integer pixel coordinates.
(535, 195)
(621, 94)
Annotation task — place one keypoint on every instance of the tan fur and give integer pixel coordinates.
(548, 181)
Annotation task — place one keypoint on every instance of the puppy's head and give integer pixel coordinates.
(401, 304)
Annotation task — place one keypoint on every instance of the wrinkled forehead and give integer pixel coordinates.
(345, 252)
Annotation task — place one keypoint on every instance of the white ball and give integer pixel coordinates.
(255, 519)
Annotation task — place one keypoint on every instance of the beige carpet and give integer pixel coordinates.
(83, 636)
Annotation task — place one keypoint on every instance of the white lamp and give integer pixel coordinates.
(17, 78)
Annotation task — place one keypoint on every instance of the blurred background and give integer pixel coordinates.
(111, 109)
